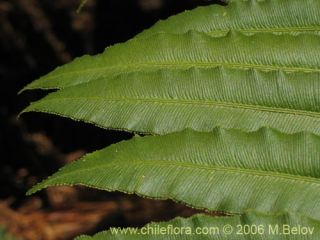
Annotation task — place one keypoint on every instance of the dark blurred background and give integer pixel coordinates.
(35, 37)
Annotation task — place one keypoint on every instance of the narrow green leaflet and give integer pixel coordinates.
(251, 225)
(253, 16)
(170, 82)
(225, 170)
(247, 16)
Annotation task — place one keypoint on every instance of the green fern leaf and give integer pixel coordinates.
(253, 16)
(251, 225)
(171, 82)
(225, 170)
(250, 65)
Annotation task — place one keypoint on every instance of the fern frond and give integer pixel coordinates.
(171, 82)
(225, 170)
(249, 17)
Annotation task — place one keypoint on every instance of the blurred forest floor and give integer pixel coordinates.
(35, 37)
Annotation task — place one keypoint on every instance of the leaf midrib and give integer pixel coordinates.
(267, 30)
(197, 102)
(183, 65)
